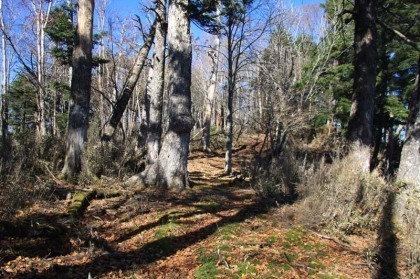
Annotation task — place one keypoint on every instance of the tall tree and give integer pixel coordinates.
(170, 169)
(41, 13)
(80, 91)
(237, 25)
(214, 59)
(4, 79)
(127, 91)
(155, 88)
(364, 84)
(410, 157)
(173, 156)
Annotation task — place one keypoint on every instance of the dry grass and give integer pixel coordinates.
(407, 219)
(341, 196)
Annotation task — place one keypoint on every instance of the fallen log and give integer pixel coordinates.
(80, 202)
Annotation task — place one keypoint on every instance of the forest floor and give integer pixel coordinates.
(220, 228)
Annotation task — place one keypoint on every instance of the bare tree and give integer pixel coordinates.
(41, 14)
(127, 92)
(4, 79)
(214, 58)
(80, 91)
(240, 34)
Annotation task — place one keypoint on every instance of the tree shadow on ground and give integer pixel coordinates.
(36, 235)
(47, 235)
(386, 255)
(147, 254)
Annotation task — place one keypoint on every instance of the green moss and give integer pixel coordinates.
(209, 206)
(206, 271)
(166, 230)
(230, 231)
(290, 257)
(246, 268)
(207, 258)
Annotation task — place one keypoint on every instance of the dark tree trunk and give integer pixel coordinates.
(381, 120)
(231, 90)
(80, 92)
(360, 131)
(134, 75)
(361, 115)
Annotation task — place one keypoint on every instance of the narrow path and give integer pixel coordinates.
(217, 229)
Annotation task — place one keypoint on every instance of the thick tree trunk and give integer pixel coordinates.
(155, 88)
(361, 115)
(80, 92)
(409, 170)
(170, 170)
(122, 102)
(214, 57)
(173, 157)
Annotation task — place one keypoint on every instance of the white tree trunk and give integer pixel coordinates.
(170, 170)
(208, 109)
(214, 57)
(409, 170)
(127, 92)
(173, 157)
(156, 86)
(41, 22)
(4, 79)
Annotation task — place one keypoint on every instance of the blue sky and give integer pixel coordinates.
(133, 7)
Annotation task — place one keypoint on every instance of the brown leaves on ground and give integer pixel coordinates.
(218, 229)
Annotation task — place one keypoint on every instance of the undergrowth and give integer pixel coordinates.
(341, 196)
(408, 219)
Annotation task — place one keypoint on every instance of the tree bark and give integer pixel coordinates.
(80, 92)
(173, 157)
(41, 21)
(122, 102)
(155, 88)
(214, 57)
(170, 170)
(409, 169)
(362, 109)
(4, 82)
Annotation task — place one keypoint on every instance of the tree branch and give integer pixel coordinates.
(400, 35)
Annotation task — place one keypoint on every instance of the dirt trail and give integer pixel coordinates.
(217, 229)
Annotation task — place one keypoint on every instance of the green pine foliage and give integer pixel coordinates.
(62, 32)
(22, 104)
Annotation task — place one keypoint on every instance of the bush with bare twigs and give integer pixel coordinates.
(407, 218)
(341, 196)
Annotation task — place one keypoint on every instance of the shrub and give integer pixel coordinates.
(341, 195)
(407, 219)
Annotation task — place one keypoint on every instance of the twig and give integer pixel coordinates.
(330, 238)
(56, 180)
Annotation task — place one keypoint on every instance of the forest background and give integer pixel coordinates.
(121, 92)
